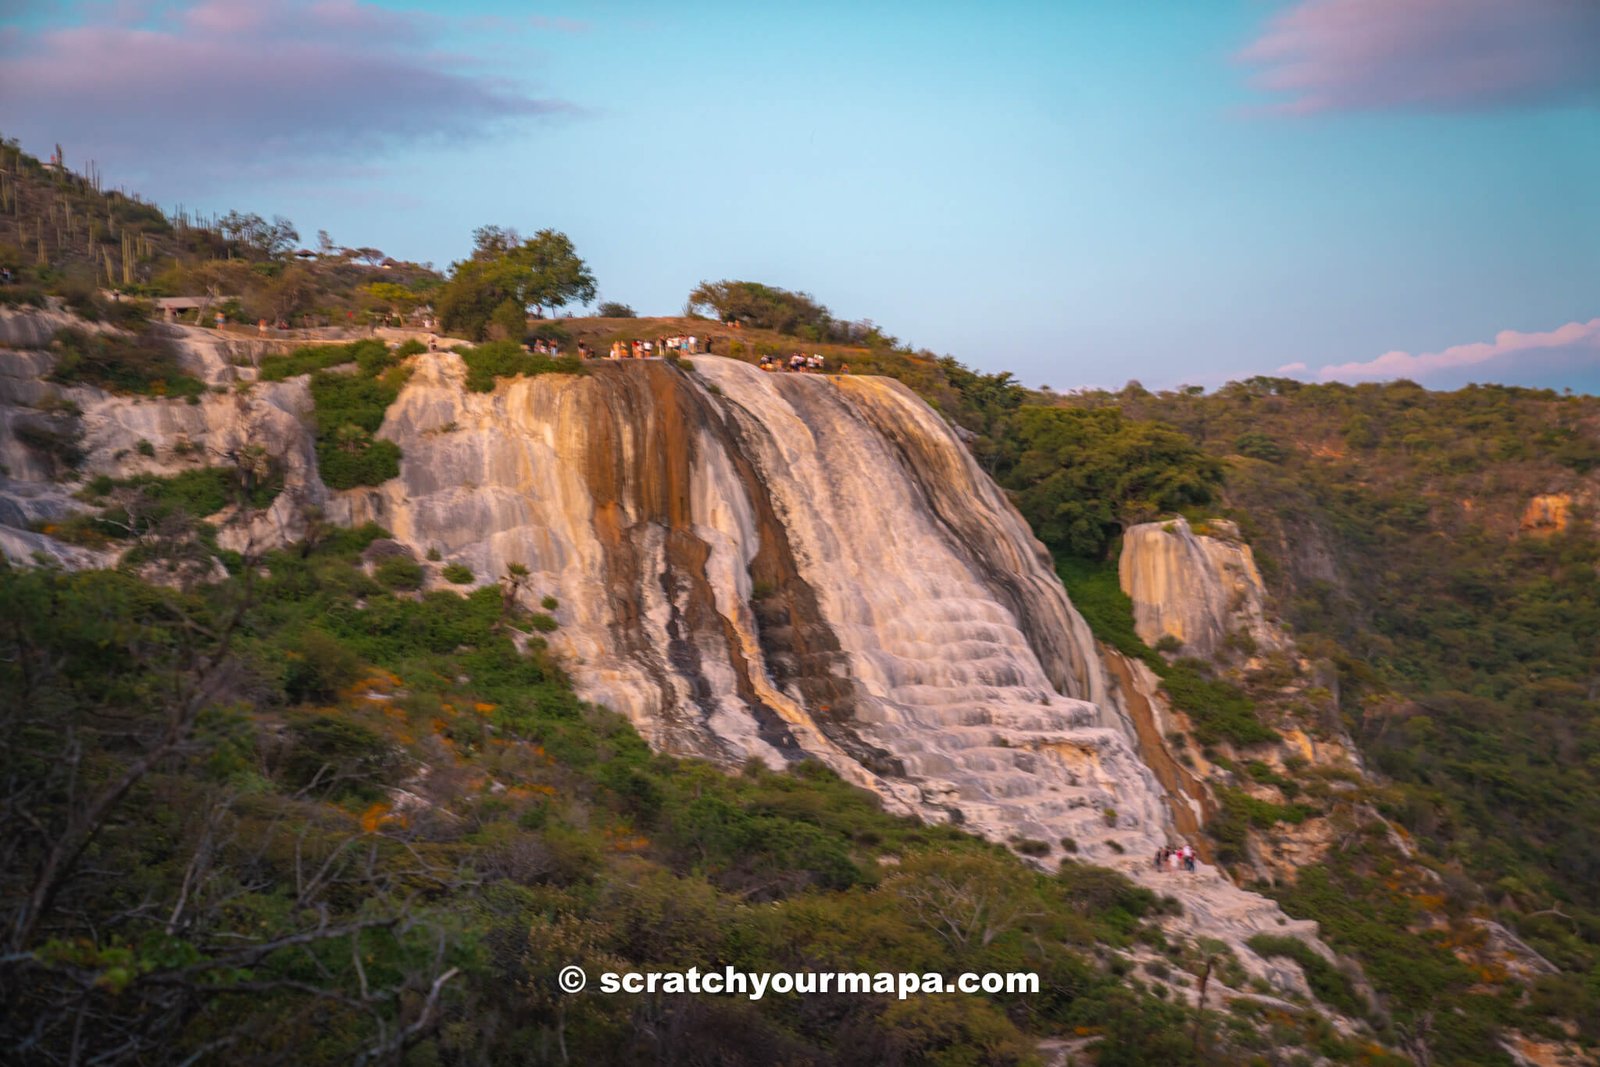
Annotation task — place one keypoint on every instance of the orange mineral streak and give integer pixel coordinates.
(379, 815)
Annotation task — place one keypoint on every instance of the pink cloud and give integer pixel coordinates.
(220, 87)
(1428, 55)
(1508, 349)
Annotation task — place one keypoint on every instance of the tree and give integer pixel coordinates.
(611, 309)
(765, 306)
(506, 274)
(251, 232)
(1081, 475)
(397, 298)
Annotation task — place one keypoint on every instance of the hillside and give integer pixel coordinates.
(369, 757)
(355, 688)
(1438, 551)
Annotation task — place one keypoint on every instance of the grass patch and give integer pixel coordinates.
(503, 359)
(1218, 709)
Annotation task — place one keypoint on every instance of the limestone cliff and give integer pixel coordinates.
(749, 565)
(1197, 589)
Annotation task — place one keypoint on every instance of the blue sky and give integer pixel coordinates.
(1082, 193)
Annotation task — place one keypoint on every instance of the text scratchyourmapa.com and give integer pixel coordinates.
(730, 981)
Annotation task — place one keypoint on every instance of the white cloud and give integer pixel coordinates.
(1508, 349)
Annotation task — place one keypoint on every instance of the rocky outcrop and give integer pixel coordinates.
(761, 566)
(1546, 514)
(1199, 589)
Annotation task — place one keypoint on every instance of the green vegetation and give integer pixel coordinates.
(489, 293)
(350, 407)
(141, 363)
(506, 359)
(764, 306)
(1218, 709)
(1389, 522)
(401, 573)
(308, 359)
(457, 574)
(1330, 984)
(258, 726)
(197, 493)
(1080, 476)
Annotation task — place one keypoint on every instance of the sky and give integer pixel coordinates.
(1083, 193)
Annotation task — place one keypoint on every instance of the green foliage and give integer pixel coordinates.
(1331, 985)
(142, 363)
(1097, 594)
(1219, 710)
(399, 572)
(505, 359)
(306, 360)
(457, 573)
(1260, 446)
(340, 757)
(504, 276)
(763, 306)
(611, 309)
(1416, 972)
(197, 493)
(1079, 476)
(349, 410)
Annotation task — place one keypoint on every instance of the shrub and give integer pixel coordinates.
(342, 757)
(503, 359)
(544, 623)
(304, 361)
(317, 665)
(399, 572)
(143, 363)
(1331, 985)
(611, 309)
(349, 409)
(1218, 709)
(458, 573)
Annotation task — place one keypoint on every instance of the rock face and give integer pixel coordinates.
(1196, 588)
(1547, 513)
(752, 565)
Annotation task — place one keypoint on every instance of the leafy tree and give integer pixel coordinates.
(611, 309)
(763, 306)
(505, 275)
(1082, 475)
(399, 299)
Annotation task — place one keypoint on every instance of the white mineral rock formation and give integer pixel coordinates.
(1196, 588)
(761, 565)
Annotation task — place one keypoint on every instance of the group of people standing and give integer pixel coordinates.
(1175, 859)
(660, 348)
(800, 363)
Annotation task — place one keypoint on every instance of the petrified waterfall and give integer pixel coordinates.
(780, 566)
(759, 565)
